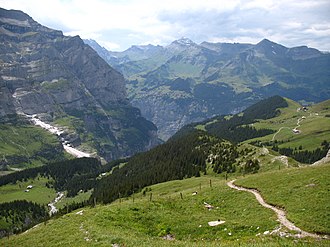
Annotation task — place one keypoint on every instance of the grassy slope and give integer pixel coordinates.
(269, 160)
(39, 193)
(142, 223)
(83, 196)
(25, 141)
(303, 192)
(314, 128)
(76, 125)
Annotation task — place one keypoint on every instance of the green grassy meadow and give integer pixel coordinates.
(167, 208)
(171, 209)
(39, 193)
(303, 192)
(314, 126)
(24, 146)
(78, 198)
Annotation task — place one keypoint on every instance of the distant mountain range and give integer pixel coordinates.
(65, 82)
(187, 82)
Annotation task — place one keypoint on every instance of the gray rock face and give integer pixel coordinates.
(45, 72)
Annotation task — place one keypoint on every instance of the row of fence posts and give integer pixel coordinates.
(150, 195)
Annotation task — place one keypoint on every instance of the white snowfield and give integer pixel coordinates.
(56, 131)
(75, 152)
(50, 128)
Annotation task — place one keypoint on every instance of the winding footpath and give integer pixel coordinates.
(279, 212)
(279, 132)
(294, 129)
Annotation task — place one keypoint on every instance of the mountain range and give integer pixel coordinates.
(187, 82)
(64, 82)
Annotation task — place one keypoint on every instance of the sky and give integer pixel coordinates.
(119, 24)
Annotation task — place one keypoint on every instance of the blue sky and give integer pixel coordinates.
(119, 24)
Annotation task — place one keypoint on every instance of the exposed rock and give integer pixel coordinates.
(186, 82)
(46, 73)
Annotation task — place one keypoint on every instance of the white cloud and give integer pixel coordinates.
(109, 45)
(117, 24)
(262, 4)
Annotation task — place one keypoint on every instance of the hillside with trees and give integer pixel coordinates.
(221, 145)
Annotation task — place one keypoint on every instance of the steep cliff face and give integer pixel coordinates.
(63, 80)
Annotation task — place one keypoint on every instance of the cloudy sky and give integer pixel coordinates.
(118, 24)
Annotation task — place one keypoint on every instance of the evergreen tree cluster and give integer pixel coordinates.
(176, 159)
(239, 127)
(71, 175)
(18, 216)
(305, 156)
(236, 129)
(265, 109)
(250, 166)
(223, 157)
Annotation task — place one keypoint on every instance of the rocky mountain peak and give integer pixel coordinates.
(16, 16)
(267, 46)
(16, 23)
(183, 42)
(180, 45)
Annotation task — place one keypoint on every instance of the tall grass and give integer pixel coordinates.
(168, 208)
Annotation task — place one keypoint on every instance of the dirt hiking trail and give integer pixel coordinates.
(281, 215)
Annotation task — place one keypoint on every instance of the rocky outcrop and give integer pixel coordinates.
(57, 77)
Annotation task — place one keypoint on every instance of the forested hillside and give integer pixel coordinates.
(221, 145)
(178, 158)
(239, 127)
(189, 152)
(20, 215)
(71, 175)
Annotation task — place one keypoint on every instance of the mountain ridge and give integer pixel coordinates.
(224, 78)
